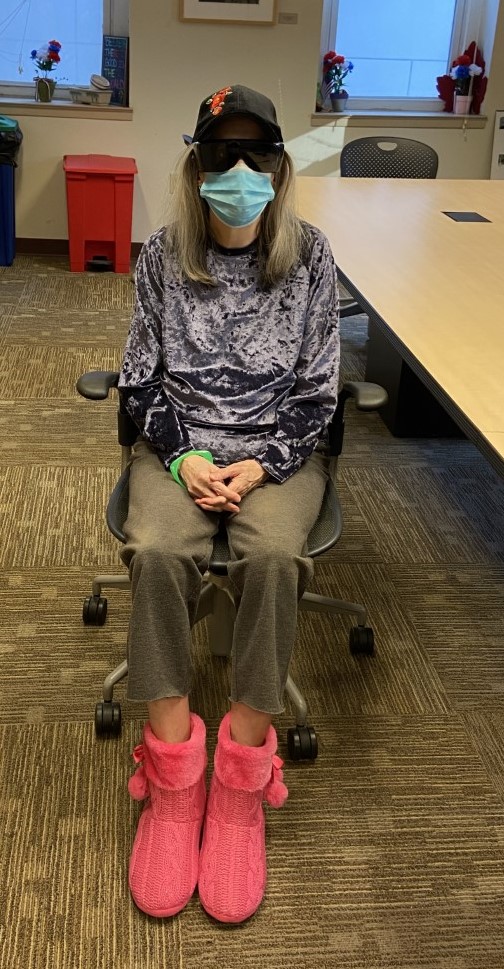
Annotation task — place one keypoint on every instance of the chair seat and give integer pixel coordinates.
(324, 534)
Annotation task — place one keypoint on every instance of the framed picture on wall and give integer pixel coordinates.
(229, 11)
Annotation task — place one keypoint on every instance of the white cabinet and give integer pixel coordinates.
(497, 169)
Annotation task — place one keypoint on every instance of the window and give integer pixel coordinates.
(399, 47)
(79, 26)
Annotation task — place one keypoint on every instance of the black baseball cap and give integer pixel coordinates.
(235, 100)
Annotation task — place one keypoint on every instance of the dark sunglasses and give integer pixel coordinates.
(220, 156)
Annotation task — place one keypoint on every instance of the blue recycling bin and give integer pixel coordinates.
(10, 140)
(7, 216)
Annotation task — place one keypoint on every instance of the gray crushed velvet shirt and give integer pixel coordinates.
(233, 369)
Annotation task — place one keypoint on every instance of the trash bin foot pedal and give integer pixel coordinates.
(100, 264)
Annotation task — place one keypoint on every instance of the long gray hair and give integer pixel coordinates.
(281, 239)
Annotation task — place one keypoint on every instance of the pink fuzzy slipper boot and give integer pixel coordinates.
(163, 869)
(232, 875)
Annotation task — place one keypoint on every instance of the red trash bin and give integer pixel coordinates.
(100, 206)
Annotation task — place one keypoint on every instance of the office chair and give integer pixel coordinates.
(216, 601)
(385, 157)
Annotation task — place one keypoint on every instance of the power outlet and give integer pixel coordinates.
(287, 18)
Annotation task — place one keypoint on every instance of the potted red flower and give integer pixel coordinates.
(463, 89)
(335, 68)
(47, 59)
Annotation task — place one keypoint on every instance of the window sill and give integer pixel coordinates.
(397, 119)
(23, 107)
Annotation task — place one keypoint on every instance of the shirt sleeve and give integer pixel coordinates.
(140, 383)
(310, 405)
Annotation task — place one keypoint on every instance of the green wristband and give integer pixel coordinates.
(175, 465)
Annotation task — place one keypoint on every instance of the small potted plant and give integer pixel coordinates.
(463, 89)
(335, 68)
(462, 73)
(47, 59)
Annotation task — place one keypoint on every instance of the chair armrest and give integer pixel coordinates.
(350, 309)
(367, 396)
(96, 384)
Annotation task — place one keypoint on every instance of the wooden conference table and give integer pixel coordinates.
(434, 292)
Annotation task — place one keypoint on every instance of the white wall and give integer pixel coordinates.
(173, 65)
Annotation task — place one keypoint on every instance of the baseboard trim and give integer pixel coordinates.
(57, 247)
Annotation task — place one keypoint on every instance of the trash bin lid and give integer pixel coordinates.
(11, 137)
(8, 124)
(99, 164)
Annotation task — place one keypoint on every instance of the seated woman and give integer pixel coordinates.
(230, 373)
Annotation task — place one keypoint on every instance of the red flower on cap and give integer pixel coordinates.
(218, 99)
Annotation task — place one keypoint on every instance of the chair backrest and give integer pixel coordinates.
(386, 157)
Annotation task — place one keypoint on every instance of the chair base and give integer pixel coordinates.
(217, 606)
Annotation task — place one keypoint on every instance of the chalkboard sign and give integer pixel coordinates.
(115, 67)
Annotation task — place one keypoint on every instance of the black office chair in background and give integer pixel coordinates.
(216, 601)
(385, 157)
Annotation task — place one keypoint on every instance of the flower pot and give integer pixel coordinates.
(338, 102)
(44, 89)
(462, 103)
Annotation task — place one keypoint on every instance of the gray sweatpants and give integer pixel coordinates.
(169, 542)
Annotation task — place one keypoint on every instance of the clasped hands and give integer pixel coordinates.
(220, 489)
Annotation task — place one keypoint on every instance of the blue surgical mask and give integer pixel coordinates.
(237, 197)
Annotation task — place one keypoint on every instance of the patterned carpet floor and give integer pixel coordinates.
(389, 853)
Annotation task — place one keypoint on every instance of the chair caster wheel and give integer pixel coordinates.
(94, 611)
(108, 719)
(361, 641)
(302, 743)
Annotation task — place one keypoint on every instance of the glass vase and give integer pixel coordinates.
(462, 103)
(44, 89)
